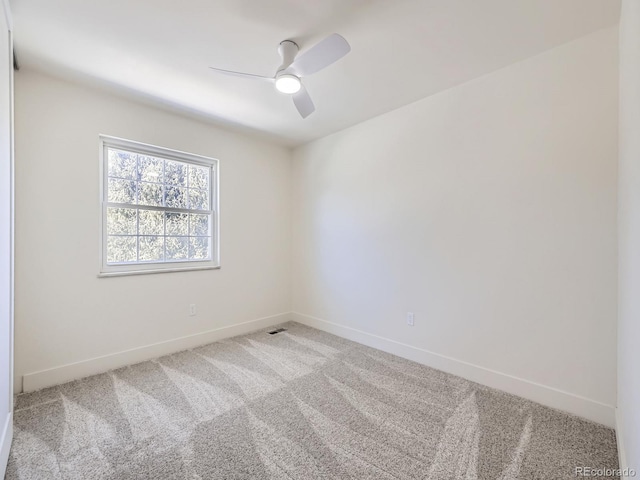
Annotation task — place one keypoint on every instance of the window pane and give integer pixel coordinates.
(175, 173)
(151, 249)
(121, 221)
(151, 222)
(121, 164)
(150, 194)
(177, 223)
(156, 208)
(199, 248)
(199, 225)
(198, 199)
(121, 249)
(150, 169)
(121, 191)
(175, 197)
(198, 177)
(177, 248)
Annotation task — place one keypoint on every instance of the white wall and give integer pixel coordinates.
(64, 312)
(489, 210)
(629, 235)
(6, 236)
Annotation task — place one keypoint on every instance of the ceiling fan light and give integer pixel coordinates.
(288, 84)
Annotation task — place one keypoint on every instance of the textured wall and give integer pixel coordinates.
(64, 312)
(489, 210)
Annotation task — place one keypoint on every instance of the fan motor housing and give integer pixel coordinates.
(288, 50)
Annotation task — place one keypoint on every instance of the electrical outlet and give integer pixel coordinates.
(192, 310)
(410, 319)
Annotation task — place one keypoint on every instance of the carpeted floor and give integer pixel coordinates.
(301, 404)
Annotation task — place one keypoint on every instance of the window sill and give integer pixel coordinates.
(154, 271)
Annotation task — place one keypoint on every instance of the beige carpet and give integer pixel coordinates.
(301, 404)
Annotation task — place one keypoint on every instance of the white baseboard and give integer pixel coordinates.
(5, 443)
(622, 455)
(66, 373)
(549, 396)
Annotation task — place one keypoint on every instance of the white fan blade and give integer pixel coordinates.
(240, 74)
(321, 55)
(303, 103)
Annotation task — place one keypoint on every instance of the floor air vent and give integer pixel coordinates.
(278, 330)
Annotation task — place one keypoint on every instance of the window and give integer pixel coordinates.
(159, 209)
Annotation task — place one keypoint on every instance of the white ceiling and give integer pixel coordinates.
(402, 50)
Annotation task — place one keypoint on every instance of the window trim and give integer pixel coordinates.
(106, 141)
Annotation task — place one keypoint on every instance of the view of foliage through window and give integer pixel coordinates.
(157, 210)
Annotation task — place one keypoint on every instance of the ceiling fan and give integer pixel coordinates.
(288, 76)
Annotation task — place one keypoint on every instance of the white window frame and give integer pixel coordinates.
(169, 154)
